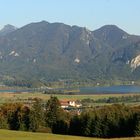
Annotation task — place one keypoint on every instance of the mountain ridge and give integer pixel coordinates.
(53, 51)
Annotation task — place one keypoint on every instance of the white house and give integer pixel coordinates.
(66, 104)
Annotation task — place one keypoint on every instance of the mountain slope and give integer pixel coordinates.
(55, 51)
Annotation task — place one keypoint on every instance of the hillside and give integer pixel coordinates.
(16, 135)
(43, 51)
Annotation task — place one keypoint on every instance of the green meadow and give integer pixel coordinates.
(28, 96)
(16, 135)
(19, 135)
(7, 97)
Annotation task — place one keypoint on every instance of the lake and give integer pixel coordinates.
(111, 89)
(93, 90)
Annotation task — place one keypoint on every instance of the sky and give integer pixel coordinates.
(86, 13)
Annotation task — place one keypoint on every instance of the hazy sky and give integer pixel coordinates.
(88, 13)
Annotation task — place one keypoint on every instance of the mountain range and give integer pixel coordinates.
(43, 52)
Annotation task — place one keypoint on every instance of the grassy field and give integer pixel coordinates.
(21, 97)
(16, 135)
(26, 97)
(15, 96)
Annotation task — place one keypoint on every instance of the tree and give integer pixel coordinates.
(54, 112)
(85, 120)
(75, 126)
(137, 125)
(3, 121)
(36, 115)
(14, 117)
(60, 127)
(25, 118)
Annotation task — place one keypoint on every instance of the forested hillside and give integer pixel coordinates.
(40, 52)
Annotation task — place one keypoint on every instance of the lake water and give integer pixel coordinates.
(93, 90)
(111, 89)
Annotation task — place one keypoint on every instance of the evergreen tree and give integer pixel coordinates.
(85, 124)
(60, 127)
(25, 119)
(13, 119)
(75, 126)
(36, 115)
(54, 112)
(137, 125)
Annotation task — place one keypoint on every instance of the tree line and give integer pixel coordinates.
(106, 121)
(122, 99)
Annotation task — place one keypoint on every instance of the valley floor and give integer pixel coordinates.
(19, 135)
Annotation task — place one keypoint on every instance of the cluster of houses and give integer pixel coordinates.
(67, 104)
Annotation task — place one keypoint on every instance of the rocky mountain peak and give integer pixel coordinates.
(111, 34)
(7, 29)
